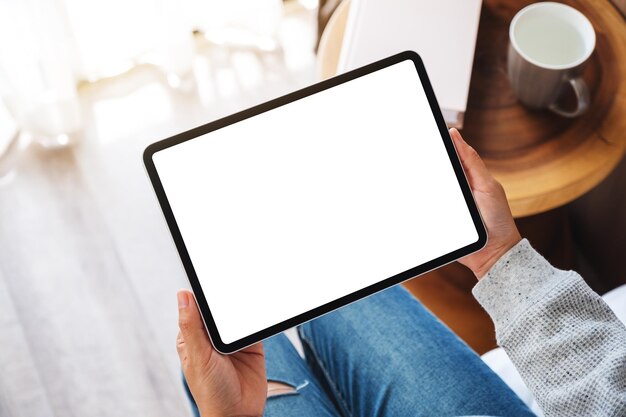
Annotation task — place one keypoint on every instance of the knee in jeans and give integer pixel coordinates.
(280, 388)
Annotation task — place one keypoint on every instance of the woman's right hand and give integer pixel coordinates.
(493, 206)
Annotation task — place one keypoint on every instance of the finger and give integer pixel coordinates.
(181, 348)
(256, 349)
(190, 324)
(475, 168)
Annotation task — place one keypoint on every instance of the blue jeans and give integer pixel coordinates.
(385, 355)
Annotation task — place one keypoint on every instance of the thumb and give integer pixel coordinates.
(190, 323)
(475, 169)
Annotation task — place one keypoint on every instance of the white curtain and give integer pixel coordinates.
(47, 46)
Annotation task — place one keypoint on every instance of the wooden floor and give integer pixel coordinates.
(87, 284)
(88, 271)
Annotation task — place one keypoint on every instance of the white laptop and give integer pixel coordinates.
(279, 219)
(443, 32)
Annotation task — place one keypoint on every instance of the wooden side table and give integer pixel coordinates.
(542, 160)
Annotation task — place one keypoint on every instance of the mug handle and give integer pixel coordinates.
(582, 97)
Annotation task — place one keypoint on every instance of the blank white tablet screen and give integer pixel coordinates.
(296, 207)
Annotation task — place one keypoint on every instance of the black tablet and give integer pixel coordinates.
(301, 205)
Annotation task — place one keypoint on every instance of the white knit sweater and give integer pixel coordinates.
(564, 340)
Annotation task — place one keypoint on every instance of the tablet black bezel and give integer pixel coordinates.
(340, 302)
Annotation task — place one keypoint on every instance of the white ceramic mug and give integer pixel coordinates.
(549, 43)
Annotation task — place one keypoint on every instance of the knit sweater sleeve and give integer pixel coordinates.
(564, 340)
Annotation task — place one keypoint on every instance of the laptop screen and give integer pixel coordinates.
(298, 206)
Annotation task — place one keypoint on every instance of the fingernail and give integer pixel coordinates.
(183, 299)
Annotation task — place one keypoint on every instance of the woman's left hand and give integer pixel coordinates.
(221, 385)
